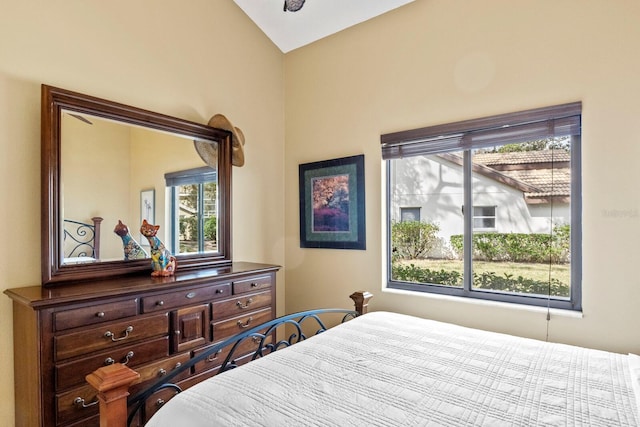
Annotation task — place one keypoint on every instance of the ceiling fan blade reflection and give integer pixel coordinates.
(81, 118)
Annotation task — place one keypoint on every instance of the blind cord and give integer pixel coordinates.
(550, 246)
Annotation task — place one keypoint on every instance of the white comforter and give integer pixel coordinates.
(386, 369)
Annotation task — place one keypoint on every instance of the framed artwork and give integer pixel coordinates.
(147, 210)
(332, 204)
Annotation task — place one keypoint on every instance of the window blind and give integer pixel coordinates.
(191, 176)
(542, 123)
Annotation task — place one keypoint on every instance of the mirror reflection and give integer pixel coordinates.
(114, 175)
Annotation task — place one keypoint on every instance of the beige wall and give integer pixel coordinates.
(439, 61)
(189, 61)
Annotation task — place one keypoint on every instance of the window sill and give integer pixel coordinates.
(480, 302)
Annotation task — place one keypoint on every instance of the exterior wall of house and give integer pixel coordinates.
(435, 185)
(186, 59)
(441, 61)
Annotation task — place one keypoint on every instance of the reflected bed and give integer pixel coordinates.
(81, 241)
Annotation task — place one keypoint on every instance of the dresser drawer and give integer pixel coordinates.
(252, 284)
(111, 335)
(227, 328)
(73, 373)
(240, 305)
(190, 327)
(69, 405)
(188, 296)
(94, 314)
(156, 370)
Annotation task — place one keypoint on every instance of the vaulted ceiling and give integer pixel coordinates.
(316, 19)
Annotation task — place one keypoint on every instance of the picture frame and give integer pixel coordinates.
(332, 204)
(147, 210)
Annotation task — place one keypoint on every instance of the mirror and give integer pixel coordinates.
(106, 165)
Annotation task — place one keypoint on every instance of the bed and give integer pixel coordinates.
(81, 241)
(390, 369)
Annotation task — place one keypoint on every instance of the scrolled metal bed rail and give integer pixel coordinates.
(260, 335)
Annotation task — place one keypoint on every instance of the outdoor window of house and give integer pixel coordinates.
(409, 214)
(192, 195)
(484, 217)
(528, 164)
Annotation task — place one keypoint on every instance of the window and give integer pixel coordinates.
(484, 217)
(192, 194)
(409, 214)
(528, 164)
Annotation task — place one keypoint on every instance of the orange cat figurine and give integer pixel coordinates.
(162, 262)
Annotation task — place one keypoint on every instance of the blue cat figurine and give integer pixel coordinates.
(132, 249)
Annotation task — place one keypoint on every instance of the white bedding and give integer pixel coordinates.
(386, 369)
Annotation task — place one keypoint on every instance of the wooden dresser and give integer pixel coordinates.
(61, 334)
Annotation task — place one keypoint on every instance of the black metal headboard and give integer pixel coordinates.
(82, 239)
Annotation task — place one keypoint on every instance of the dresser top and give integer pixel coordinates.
(40, 297)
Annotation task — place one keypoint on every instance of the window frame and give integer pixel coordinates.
(560, 120)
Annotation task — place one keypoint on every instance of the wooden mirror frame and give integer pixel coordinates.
(54, 100)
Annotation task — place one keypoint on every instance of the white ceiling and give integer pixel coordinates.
(316, 19)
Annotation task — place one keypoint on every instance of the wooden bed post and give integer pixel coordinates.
(96, 236)
(361, 300)
(112, 383)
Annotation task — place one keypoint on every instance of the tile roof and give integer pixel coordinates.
(522, 157)
(521, 167)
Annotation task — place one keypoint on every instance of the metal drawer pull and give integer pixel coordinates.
(254, 285)
(111, 335)
(160, 303)
(245, 325)
(100, 314)
(128, 357)
(109, 361)
(160, 402)
(191, 295)
(219, 291)
(79, 402)
(245, 305)
(162, 372)
(213, 357)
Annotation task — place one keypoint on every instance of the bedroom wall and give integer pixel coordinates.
(189, 61)
(440, 61)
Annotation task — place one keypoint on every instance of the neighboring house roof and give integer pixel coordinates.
(540, 175)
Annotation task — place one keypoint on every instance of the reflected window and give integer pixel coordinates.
(193, 199)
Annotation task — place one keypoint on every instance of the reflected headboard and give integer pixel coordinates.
(81, 240)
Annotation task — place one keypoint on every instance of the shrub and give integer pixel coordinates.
(413, 239)
(486, 280)
(211, 229)
(489, 280)
(412, 273)
(519, 247)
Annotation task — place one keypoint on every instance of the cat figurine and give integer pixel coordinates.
(132, 249)
(162, 262)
